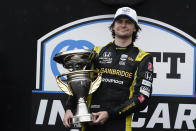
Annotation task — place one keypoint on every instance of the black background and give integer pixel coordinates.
(23, 22)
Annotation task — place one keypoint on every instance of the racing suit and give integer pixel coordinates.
(125, 88)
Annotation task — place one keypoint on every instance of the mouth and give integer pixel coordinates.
(123, 30)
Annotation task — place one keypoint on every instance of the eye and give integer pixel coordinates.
(119, 21)
(129, 22)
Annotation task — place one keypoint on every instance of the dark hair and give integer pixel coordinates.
(134, 35)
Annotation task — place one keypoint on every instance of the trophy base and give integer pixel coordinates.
(82, 119)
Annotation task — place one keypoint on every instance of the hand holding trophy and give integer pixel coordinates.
(78, 82)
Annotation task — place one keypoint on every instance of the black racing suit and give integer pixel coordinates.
(125, 88)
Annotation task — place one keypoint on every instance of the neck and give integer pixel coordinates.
(123, 42)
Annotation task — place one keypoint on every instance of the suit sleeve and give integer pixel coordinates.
(142, 90)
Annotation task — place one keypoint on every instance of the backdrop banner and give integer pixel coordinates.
(173, 102)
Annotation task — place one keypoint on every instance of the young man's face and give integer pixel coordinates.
(123, 27)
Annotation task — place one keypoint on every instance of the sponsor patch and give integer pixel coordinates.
(141, 98)
(107, 54)
(150, 66)
(121, 62)
(125, 10)
(112, 81)
(146, 83)
(145, 90)
(106, 58)
(123, 57)
(95, 106)
(148, 76)
(130, 59)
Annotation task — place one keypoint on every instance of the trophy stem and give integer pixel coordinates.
(82, 114)
(82, 107)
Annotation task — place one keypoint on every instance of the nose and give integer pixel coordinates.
(123, 24)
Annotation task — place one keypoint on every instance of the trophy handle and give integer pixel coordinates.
(96, 83)
(67, 89)
(64, 87)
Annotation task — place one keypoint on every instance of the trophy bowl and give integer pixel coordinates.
(78, 82)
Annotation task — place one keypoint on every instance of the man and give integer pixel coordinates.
(126, 78)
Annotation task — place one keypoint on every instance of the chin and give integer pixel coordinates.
(124, 36)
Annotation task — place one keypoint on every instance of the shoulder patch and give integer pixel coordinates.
(141, 55)
(110, 43)
(97, 49)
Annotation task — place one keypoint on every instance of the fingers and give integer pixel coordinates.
(100, 117)
(95, 114)
(96, 117)
(66, 121)
(99, 121)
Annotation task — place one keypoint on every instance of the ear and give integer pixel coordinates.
(134, 30)
(113, 26)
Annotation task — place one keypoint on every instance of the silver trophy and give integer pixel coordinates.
(78, 82)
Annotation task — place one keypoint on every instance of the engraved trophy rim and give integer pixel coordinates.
(74, 51)
(74, 59)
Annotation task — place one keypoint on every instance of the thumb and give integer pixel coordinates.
(95, 114)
